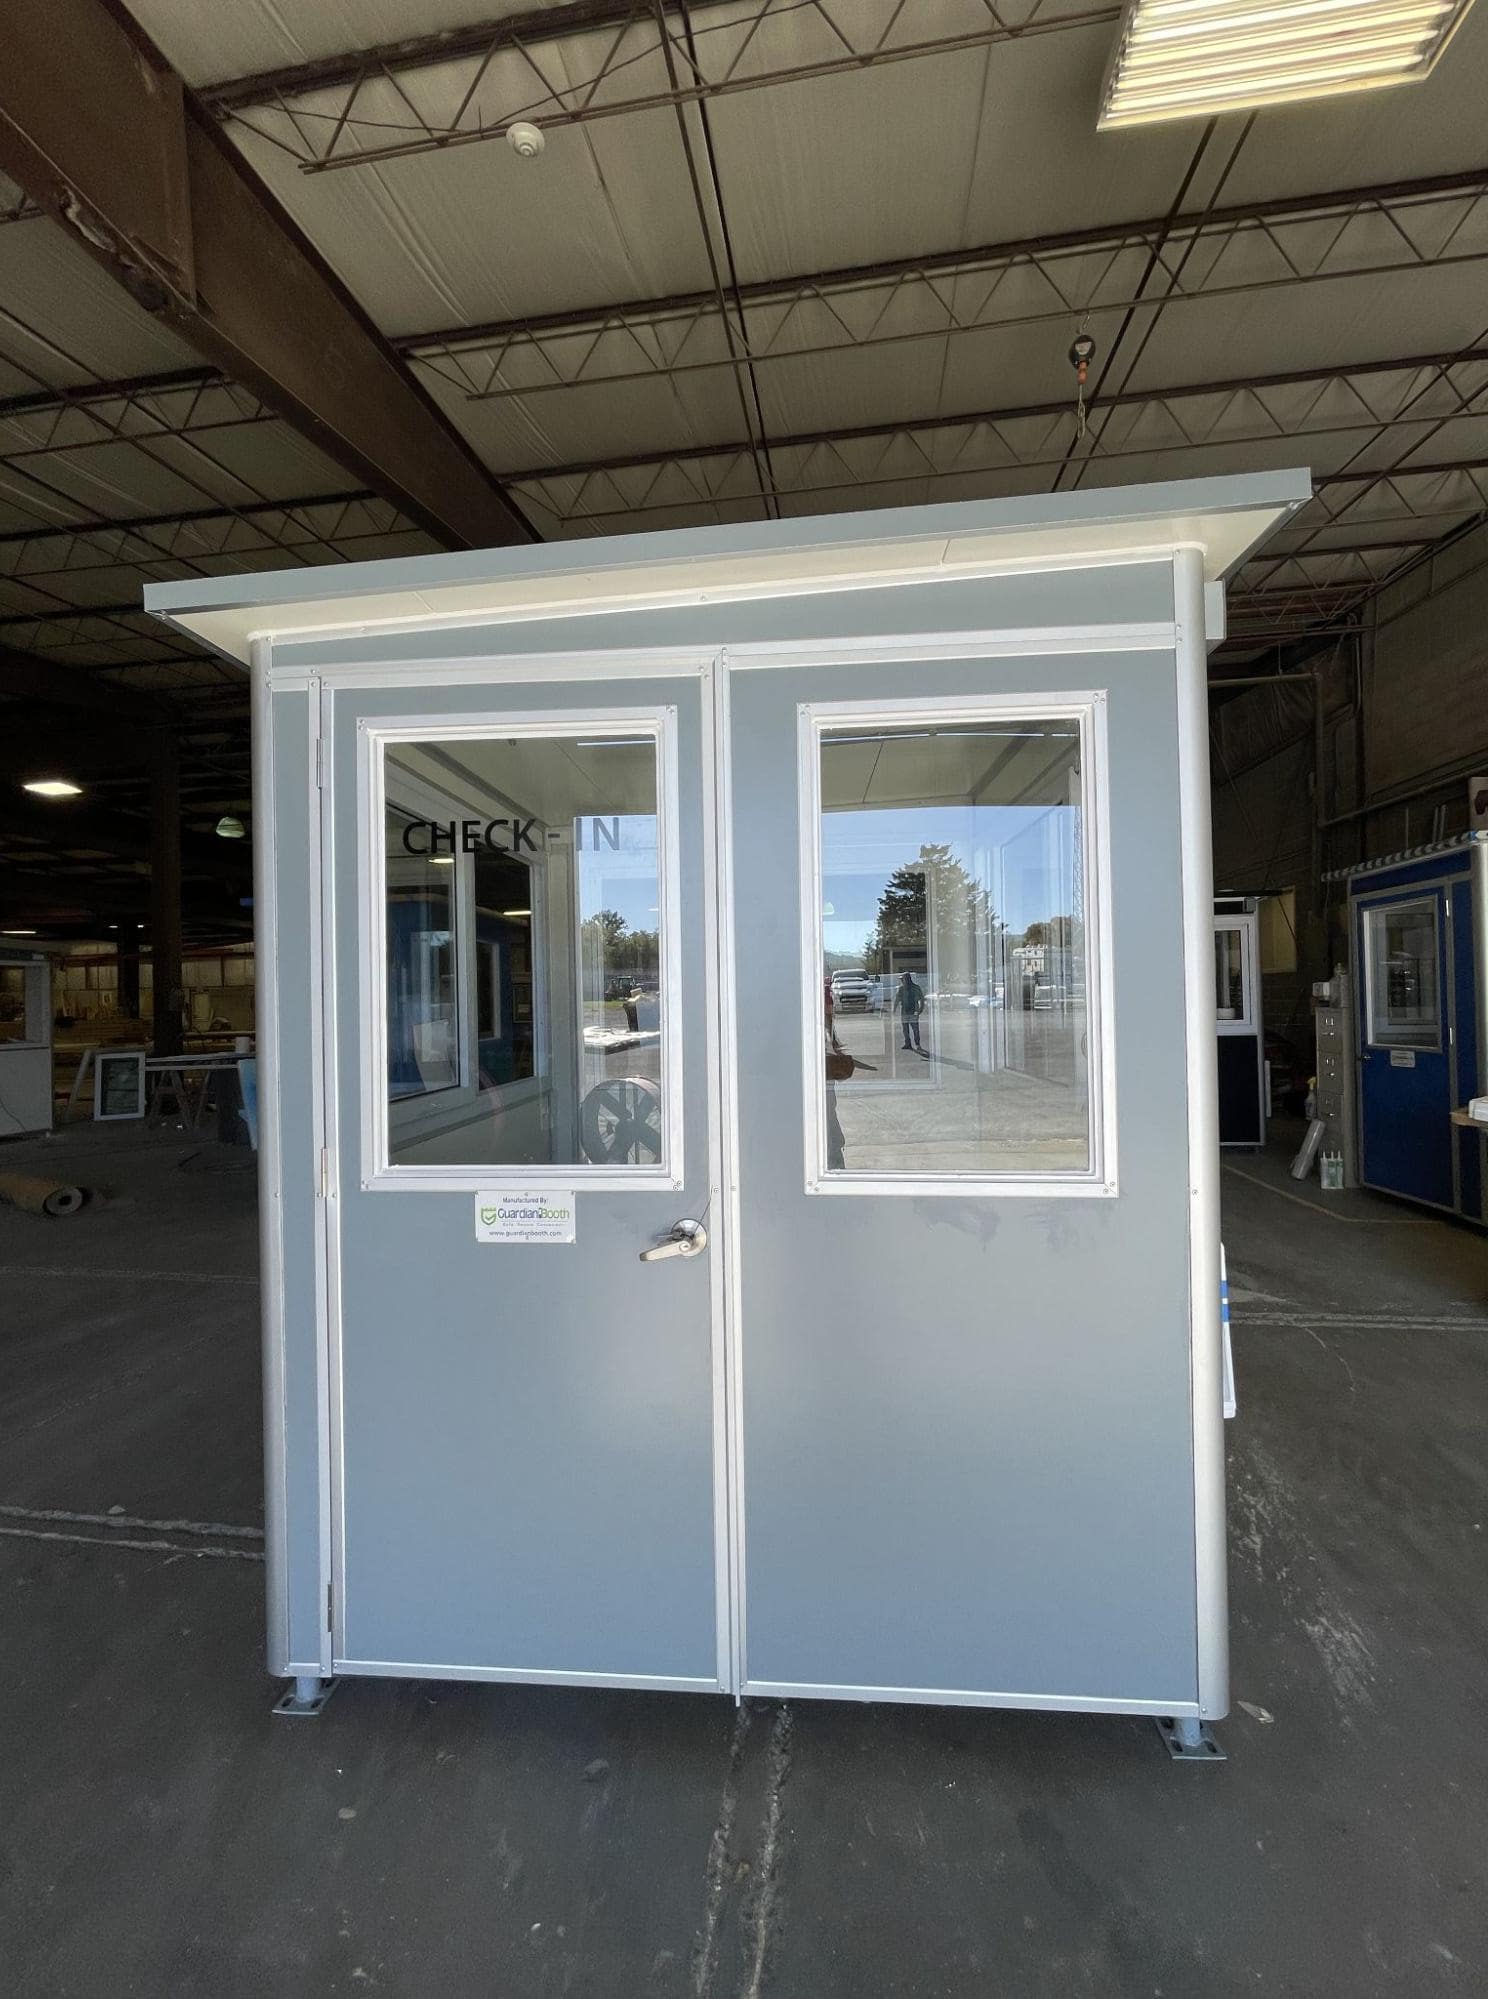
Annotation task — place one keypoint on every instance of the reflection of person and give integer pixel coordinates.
(836, 1143)
(909, 1002)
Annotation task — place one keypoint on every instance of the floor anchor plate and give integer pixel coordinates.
(1188, 1741)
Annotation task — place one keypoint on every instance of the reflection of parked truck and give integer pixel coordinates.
(852, 990)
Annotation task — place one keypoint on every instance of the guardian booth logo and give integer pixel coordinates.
(468, 836)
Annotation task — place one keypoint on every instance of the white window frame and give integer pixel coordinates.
(1378, 1032)
(1087, 709)
(374, 737)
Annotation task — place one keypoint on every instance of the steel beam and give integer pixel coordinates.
(162, 545)
(1431, 223)
(65, 900)
(175, 215)
(95, 828)
(138, 523)
(503, 70)
(1293, 406)
(25, 677)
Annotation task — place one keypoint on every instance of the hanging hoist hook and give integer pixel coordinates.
(1081, 354)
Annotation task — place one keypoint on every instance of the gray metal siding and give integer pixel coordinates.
(293, 1211)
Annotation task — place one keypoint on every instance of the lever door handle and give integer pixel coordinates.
(686, 1238)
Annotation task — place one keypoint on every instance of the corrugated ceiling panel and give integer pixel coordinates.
(1323, 325)
(476, 233)
(596, 422)
(939, 153)
(1432, 127)
(82, 325)
(254, 461)
(118, 478)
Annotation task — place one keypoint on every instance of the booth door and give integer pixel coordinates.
(963, 1296)
(523, 1411)
(1405, 1089)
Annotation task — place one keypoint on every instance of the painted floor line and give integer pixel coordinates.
(119, 1541)
(1366, 1321)
(213, 1529)
(1317, 1208)
(147, 1276)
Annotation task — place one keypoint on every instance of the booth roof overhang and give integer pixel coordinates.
(1227, 518)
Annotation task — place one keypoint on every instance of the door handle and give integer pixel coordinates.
(686, 1238)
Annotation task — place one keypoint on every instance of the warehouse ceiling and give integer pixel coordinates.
(775, 257)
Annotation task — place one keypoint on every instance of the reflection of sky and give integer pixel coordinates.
(622, 878)
(861, 848)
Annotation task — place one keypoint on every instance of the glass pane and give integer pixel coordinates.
(1229, 978)
(1402, 976)
(954, 981)
(524, 1022)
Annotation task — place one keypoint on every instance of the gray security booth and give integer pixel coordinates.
(645, 1305)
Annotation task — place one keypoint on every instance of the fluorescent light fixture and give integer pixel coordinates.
(516, 912)
(53, 787)
(1198, 58)
(17, 933)
(440, 860)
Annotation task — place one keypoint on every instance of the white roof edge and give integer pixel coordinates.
(1226, 517)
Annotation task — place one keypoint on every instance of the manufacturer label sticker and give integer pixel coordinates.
(547, 1217)
(1402, 1058)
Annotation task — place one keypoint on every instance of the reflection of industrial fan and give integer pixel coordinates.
(620, 1122)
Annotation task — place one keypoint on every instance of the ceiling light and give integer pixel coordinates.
(230, 828)
(17, 933)
(53, 787)
(1197, 58)
(440, 860)
(516, 912)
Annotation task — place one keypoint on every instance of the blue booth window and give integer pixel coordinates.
(1402, 956)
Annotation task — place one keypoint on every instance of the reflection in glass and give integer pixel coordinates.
(954, 989)
(1403, 1005)
(422, 1055)
(524, 952)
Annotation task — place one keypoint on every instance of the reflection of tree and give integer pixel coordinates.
(963, 908)
(1058, 931)
(608, 941)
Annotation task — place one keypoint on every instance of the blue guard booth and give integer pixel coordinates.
(1418, 927)
(739, 1115)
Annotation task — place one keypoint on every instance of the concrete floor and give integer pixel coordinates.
(161, 1834)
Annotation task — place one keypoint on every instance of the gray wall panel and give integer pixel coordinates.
(289, 966)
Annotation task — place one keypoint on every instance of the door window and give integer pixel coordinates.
(1401, 968)
(524, 924)
(952, 999)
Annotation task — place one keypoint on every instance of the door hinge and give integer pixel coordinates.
(325, 1171)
